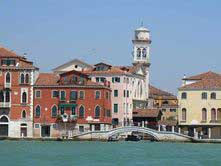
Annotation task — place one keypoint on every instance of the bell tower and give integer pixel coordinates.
(141, 46)
(141, 53)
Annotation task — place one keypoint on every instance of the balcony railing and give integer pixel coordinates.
(5, 104)
(7, 85)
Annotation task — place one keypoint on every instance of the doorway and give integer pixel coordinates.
(45, 131)
(4, 126)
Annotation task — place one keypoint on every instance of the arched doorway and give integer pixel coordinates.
(23, 130)
(4, 126)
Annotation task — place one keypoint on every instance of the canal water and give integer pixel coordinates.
(44, 153)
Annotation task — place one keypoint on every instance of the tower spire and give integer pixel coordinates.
(141, 23)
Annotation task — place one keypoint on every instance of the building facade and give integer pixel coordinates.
(200, 106)
(70, 103)
(167, 103)
(17, 77)
(129, 84)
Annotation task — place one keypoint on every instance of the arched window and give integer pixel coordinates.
(27, 78)
(184, 114)
(213, 95)
(213, 114)
(7, 96)
(144, 52)
(97, 112)
(4, 119)
(23, 114)
(219, 114)
(37, 111)
(204, 114)
(8, 78)
(138, 53)
(184, 95)
(22, 78)
(1, 96)
(54, 111)
(81, 112)
(204, 96)
(97, 95)
(24, 97)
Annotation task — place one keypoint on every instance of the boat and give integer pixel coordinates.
(133, 138)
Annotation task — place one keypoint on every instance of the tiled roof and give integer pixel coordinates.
(149, 113)
(7, 53)
(206, 75)
(204, 84)
(114, 70)
(158, 93)
(46, 79)
(23, 62)
(52, 79)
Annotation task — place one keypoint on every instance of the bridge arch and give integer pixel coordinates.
(126, 129)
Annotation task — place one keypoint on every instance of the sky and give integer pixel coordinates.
(185, 34)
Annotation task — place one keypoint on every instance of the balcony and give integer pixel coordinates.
(7, 85)
(5, 104)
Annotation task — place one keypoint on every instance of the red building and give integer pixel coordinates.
(69, 103)
(17, 76)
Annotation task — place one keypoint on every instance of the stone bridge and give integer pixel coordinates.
(156, 135)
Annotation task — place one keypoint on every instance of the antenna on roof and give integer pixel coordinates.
(141, 23)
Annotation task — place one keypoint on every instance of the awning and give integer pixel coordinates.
(67, 105)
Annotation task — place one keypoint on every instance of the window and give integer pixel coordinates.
(55, 93)
(37, 111)
(22, 78)
(184, 95)
(115, 93)
(8, 78)
(184, 114)
(62, 110)
(27, 78)
(1, 96)
(81, 112)
(204, 114)
(81, 128)
(97, 112)
(138, 53)
(144, 52)
(37, 125)
(81, 94)
(115, 79)
(73, 95)
(97, 79)
(204, 96)
(24, 97)
(8, 62)
(108, 113)
(54, 111)
(97, 95)
(219, 114)
(107, 95)
(7, 96)
(115, 108)
(124, 93)
(73, 110)
(213, 96)
(37, 94)
(127, 93)
(23, 114)
(213, 114)
(62, 95)
(75, 79)
(103, 79)
(172, 110)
